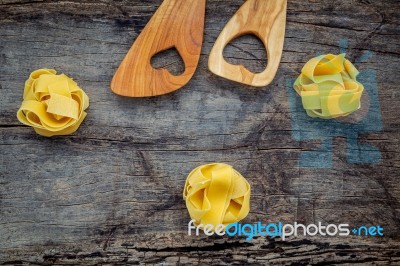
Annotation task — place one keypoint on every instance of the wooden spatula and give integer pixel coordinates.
(266, 19)
(177, 23)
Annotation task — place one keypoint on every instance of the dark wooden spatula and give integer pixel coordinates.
(176, 24)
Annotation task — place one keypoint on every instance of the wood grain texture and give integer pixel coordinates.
(176, 24)
(111, 193)
(263, 18)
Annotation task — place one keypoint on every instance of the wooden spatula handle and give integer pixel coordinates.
(267, 20)
(177, 23)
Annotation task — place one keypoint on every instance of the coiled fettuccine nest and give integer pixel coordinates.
(53, 104)
(328, 87)
(216, 194)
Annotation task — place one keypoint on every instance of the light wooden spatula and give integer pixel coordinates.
(265, 19)
(176, 24)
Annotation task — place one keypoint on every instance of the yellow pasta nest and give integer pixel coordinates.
(216, 194)
(53, 104)
(328, 87)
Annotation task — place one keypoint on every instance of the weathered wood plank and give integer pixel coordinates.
(112, 192)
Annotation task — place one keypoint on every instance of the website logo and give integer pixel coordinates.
(249, 231)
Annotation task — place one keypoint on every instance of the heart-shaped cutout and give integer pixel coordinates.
(170, 60)
(249, 51)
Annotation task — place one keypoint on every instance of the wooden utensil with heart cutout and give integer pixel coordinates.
(176, 24)
(265, 19)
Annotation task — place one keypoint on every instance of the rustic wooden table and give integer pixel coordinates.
(111, 193)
